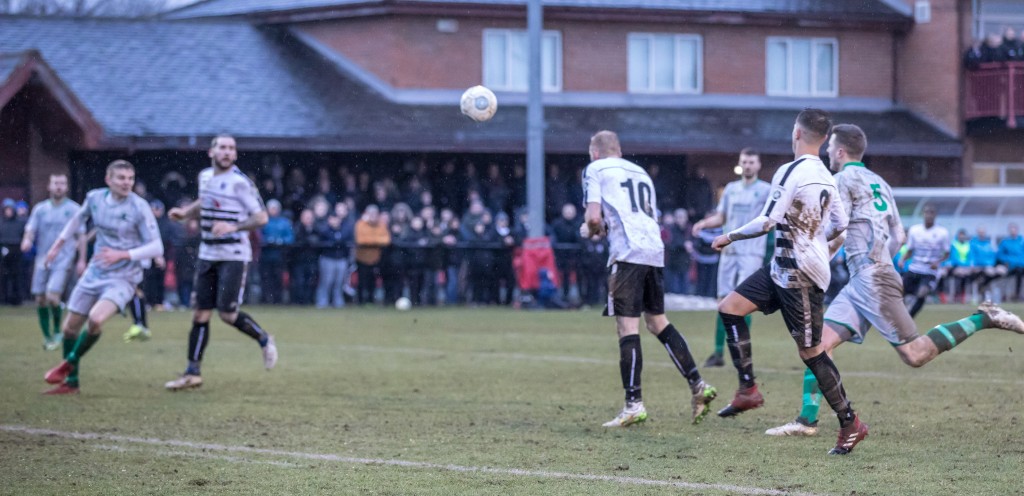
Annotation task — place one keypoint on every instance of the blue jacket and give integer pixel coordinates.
(983, 252)
(1011, 252)
(278, 231)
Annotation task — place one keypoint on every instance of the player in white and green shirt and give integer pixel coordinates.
(741, 202)
(874, 295)
(44, 225)
(126, 234)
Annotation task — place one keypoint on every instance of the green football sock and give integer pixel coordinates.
(82, 346)
(812, 398)
(69, 344)
(57, 313)
(947, 336)
(719, 336)
(44, 320)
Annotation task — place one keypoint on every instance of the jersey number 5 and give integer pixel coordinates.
(643, 191)
(879, 203)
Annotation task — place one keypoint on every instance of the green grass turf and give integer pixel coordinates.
(508, 390)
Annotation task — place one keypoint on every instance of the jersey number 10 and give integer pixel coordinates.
(643, 193)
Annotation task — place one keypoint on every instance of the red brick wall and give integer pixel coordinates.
(929, 67)
(409, 52)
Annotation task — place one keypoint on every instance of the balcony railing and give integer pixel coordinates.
(995, 89)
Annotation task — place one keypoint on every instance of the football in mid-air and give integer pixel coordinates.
(479, 103)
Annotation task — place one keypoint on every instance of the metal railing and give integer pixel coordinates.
(995, 89)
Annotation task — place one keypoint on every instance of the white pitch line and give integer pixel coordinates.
(327, 457)
(597, 361)
(193, 454)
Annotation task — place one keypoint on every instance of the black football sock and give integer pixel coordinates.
(831, 386)
(198, 338)
(631, 363)
(139, 311)
(247, 325)
(680, 354)
(737, 335)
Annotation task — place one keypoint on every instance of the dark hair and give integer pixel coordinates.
(815, 121)
(851, 138)
(120, 164)
(750, 152)
(213, 142)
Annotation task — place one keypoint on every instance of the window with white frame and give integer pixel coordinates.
(998, 174)
(802, 66)
(665, 63)
(506, 60)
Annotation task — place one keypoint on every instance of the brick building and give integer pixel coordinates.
(686, 83)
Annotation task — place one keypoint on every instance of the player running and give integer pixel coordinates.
(229, 206)
(126, 233)
(874, 294)
(44, 225)
(620, 198)
(741, 201)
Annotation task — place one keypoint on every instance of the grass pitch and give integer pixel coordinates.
(490, 401)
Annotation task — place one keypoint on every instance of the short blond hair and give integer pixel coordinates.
(606, 144)
(119, 164)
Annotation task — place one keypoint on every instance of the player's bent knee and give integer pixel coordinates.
(228, 317)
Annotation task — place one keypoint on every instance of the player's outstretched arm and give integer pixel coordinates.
(190, 211)
(711, 221)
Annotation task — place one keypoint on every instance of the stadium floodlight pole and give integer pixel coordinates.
(535, 123)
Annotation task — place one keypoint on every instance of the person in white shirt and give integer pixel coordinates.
(807, 214)
(229, 206)
(927, 247)
(620, 203)
(874, 294)
(741, 201)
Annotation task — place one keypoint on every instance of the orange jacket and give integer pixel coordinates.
(370, 239)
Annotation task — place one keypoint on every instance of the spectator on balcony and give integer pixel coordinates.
(336, 236)
(973, 55)
(1011, 47)
(992, 50)
(565, 231)
(1011, 254)
(277, 239)
(983, 252)
(303, 257)
(371, 236)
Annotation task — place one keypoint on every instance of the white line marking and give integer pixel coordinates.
(191, 454)
(636, 481)
(921, 376)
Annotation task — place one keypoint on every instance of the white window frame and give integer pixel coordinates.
(507, 85)
(1001, 169)
(677, 83)
(815, 42)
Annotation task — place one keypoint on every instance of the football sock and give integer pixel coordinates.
(56, 312)
(44, 320)
(139, 310)
(947, 336)
(918, 304)
(812, 399)
(719, 336)
(83, 343)
(247, 325)
(631, 363)
(831, 386)
(198, 338)
(738, 336)
(680, 354)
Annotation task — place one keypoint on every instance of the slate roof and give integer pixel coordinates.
(874, 9)
(8, 63)
(171, 85)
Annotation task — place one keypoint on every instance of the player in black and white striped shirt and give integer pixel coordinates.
(805, 210)
(229, 206)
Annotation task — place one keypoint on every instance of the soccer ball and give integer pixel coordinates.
(479, 103)
(403, 304)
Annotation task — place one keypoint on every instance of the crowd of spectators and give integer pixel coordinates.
(995, 48)
(442, 239)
